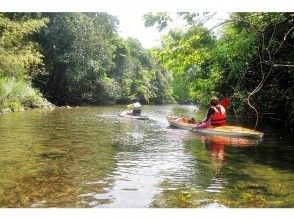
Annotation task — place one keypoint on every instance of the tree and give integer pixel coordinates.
(257, 52)
(79, 53)
(19, 61)
(187, 55)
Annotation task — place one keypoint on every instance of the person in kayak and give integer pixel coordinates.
(135, 108)
(216, 115)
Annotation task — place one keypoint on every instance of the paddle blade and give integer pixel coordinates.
(225, 102)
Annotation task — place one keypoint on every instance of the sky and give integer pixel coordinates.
(132, 25)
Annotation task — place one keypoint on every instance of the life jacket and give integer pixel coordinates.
(219, 116)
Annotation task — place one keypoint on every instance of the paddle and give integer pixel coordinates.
(225, 102)
(193, 127)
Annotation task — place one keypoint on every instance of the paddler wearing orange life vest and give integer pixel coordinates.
(216, 115)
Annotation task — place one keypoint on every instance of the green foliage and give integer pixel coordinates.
(162, 84)
(88, 63)
(19, 56)
(256, 46)
(159, 18)
(187, 55)
(253, 54)
(139, 75)
(17, 52)
(15, 94)
(78, 51)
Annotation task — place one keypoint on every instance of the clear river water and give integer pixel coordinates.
(90, 157)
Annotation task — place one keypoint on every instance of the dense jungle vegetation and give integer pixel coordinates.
(80, 59)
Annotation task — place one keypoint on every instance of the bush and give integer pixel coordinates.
(17, 94)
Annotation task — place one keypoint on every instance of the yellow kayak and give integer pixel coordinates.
(180, 122)
(227, 130)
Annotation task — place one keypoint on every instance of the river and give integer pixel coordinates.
(90, 157)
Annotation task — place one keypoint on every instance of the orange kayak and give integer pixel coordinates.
(227, 130)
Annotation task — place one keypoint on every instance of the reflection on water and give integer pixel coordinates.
(216, 144)
(89, 157)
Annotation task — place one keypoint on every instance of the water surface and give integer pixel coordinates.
(89, 157)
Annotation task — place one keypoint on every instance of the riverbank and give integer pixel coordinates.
(46, 105)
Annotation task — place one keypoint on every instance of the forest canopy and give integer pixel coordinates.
(80, 59)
